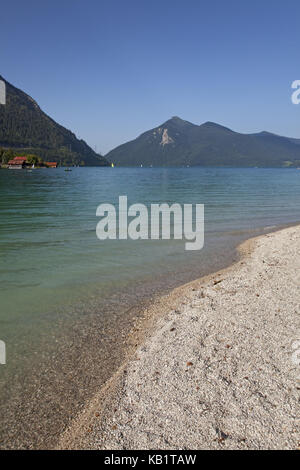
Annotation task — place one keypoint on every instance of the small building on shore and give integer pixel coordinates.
(18, 163)
(51, 164)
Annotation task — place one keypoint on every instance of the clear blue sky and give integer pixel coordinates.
(109, 70)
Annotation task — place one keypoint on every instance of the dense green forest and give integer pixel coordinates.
(26, 128)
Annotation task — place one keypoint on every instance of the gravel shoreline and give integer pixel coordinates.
(215, 370)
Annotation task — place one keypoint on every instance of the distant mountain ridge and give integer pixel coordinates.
(26, 128)
(180, 143)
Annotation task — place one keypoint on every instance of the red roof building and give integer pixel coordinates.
(17, 163)
(51, 164)
(20, 159)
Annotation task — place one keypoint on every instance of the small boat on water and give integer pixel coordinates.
(68, 169)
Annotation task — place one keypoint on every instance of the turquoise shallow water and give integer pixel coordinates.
(53, 269)
(48, 220)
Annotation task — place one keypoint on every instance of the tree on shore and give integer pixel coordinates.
(6, 155)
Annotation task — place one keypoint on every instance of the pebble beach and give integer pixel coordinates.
(217, 369)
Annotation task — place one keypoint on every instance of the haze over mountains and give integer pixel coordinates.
(180, 143)
(26, 128)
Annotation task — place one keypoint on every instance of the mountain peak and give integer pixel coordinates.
(181, 143)
(177, 121)
(265, 133)
(214, 125)
(176, 118)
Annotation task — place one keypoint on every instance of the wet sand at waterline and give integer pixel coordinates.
(216, 369)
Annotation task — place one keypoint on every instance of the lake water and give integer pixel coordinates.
(65, 295)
